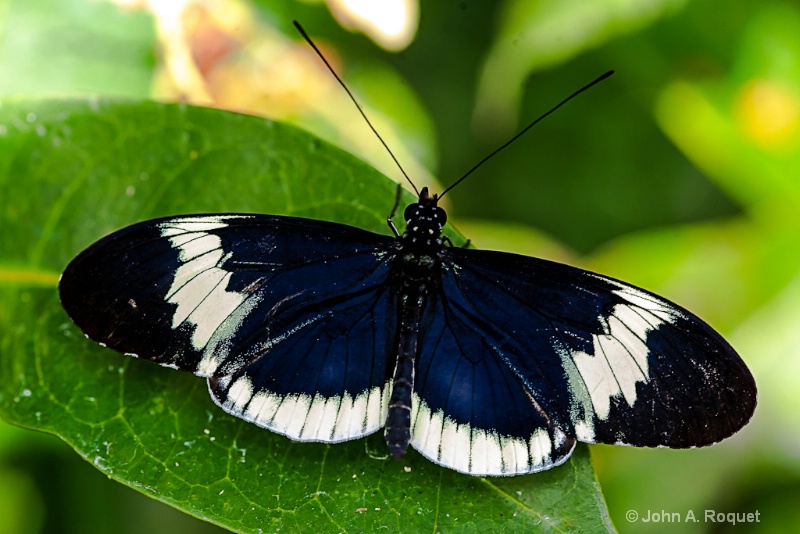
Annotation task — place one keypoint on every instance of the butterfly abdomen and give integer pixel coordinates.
(398, 418)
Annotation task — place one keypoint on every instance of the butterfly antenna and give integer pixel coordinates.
(353, 98)
(528, 127)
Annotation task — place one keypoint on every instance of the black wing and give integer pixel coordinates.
(288, 318)
(521, 356)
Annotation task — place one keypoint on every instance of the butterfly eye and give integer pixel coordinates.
(411, 212)
(440, 216)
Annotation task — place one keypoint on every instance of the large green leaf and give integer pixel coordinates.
(72, 171)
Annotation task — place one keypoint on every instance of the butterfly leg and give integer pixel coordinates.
(389, 220)
(447, 241)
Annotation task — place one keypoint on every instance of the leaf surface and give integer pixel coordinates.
(73, 171)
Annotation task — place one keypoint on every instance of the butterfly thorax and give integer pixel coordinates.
(422, 240)
(424, 223)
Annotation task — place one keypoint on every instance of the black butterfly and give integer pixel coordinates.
(486, 362)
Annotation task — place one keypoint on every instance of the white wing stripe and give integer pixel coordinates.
(619, 358)
(198, 288)
(303, 418)
(479, 451)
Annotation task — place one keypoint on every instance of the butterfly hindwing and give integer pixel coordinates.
(471, 412)
(608, 362)
(326, 380)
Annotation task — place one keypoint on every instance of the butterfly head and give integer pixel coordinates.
(424, 221)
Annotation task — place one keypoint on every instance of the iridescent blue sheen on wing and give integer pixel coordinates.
(485, 362)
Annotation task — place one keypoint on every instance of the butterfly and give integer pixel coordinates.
(485, 362)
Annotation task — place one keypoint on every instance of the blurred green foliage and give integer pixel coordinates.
(679, 174)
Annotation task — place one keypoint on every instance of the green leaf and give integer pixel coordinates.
(72, 171)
